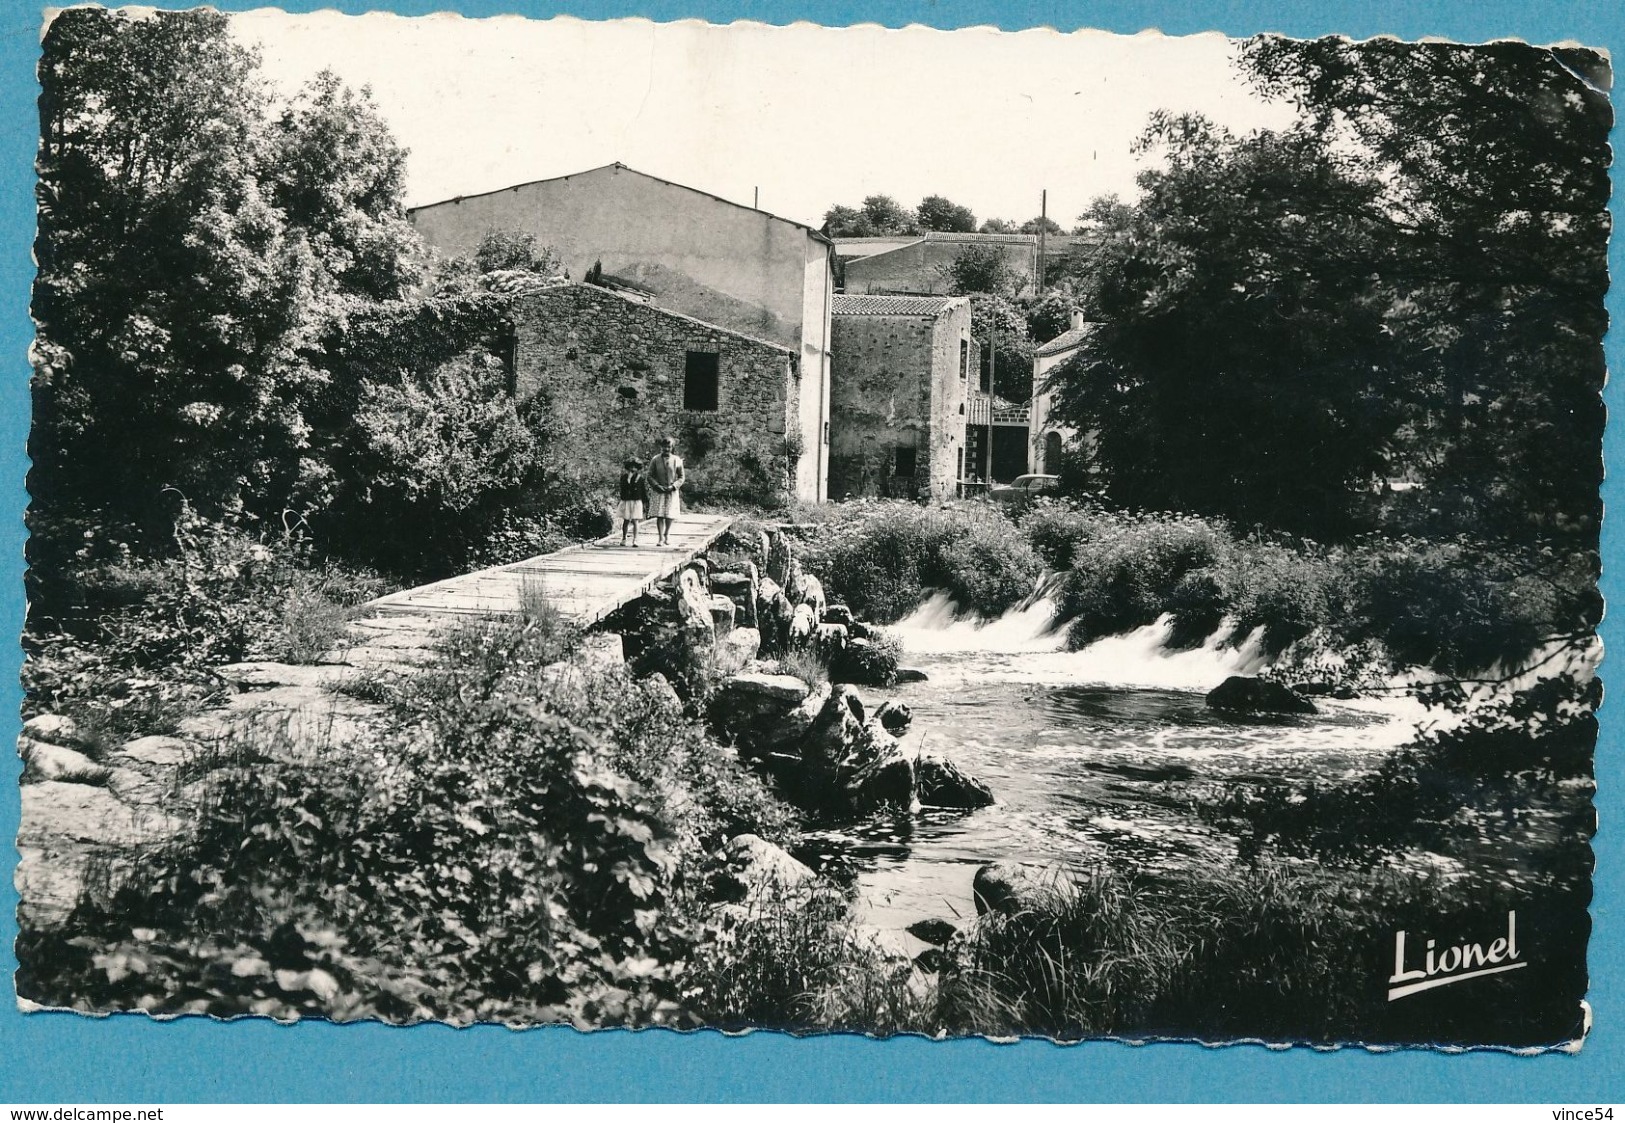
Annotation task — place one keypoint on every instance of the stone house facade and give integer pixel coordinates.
(618, 374)
(687, 251)
(899, 381)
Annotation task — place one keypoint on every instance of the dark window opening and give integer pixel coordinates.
(964, 359)
(700, 381)
(903, 462)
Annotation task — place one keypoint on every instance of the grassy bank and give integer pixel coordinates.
(1454, 605)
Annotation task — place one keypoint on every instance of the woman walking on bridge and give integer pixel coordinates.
(665, 475)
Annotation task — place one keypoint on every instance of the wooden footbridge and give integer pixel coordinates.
(585, 583)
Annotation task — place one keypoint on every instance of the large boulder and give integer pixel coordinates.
(779, 559)
(864, 662)
(754, 871)
(736, 649)
(54, 729)
(802, 625)
(940, 783)
(1010, 887)
(910, 674)
(723, 613)
(850, 763)
(812, 595)
(784, 689)
(1241, 694)
(894, 717)
(765, 714)
(694, 605)
(836, 614)
(45, 761)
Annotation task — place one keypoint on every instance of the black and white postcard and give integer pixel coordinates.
(811, 529)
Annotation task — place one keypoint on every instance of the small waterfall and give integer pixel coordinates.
(936, 633)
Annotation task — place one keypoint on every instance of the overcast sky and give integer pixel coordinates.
(812, 116)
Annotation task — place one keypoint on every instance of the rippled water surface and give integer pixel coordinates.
(1090, 754)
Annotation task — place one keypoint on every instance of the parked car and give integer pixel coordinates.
(1025, 487)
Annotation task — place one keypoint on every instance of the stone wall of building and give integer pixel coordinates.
(613, 371)
(896, 387)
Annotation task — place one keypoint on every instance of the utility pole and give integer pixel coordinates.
(756, 199)
(992, 370)
(1043, 222)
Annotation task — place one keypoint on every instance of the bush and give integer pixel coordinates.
(883, 557)
(1454, 605)
(1265, 953)
(1137, 568)
(1056, 529)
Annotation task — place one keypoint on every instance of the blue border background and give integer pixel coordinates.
(60, 1058)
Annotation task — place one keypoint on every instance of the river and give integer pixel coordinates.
(1092, 755)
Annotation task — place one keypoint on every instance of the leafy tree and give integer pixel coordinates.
(1244, 370)
(1494, 161)
(1049, 316)
(189, 254)
(998, 226)
(1002, 322)
(338, 177)
(1034, 225)
(169, 297)
(502, 250)
(981, 269)
(1106, 215)
(937, 213)
(878, 215)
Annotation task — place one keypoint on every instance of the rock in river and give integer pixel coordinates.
(1242, 695)
(1010, 887)
(940, 783)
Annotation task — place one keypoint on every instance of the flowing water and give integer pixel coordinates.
(1092, 755)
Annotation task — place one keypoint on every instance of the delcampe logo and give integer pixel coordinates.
(1455, 964)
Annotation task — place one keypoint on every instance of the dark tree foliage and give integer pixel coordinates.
(1496, 162)
(998, 226)
(937, 213)
(1408, 283)
(879, 215)
(1242, 370)
(1040, 223)
(189, 251)
(1003, 323)
(981, 269)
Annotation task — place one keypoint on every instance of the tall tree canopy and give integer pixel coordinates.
(937, 213)
(1407, 283)
(878, 215)
(187, 247)
(1495, 163)
(1242, 370)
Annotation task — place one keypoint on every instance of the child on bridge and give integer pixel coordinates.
(632, 492)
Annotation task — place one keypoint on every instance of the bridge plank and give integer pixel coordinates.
(585, 583)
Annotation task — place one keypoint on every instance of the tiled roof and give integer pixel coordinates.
(1065, 341)
(893, 305)
(981, 239)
